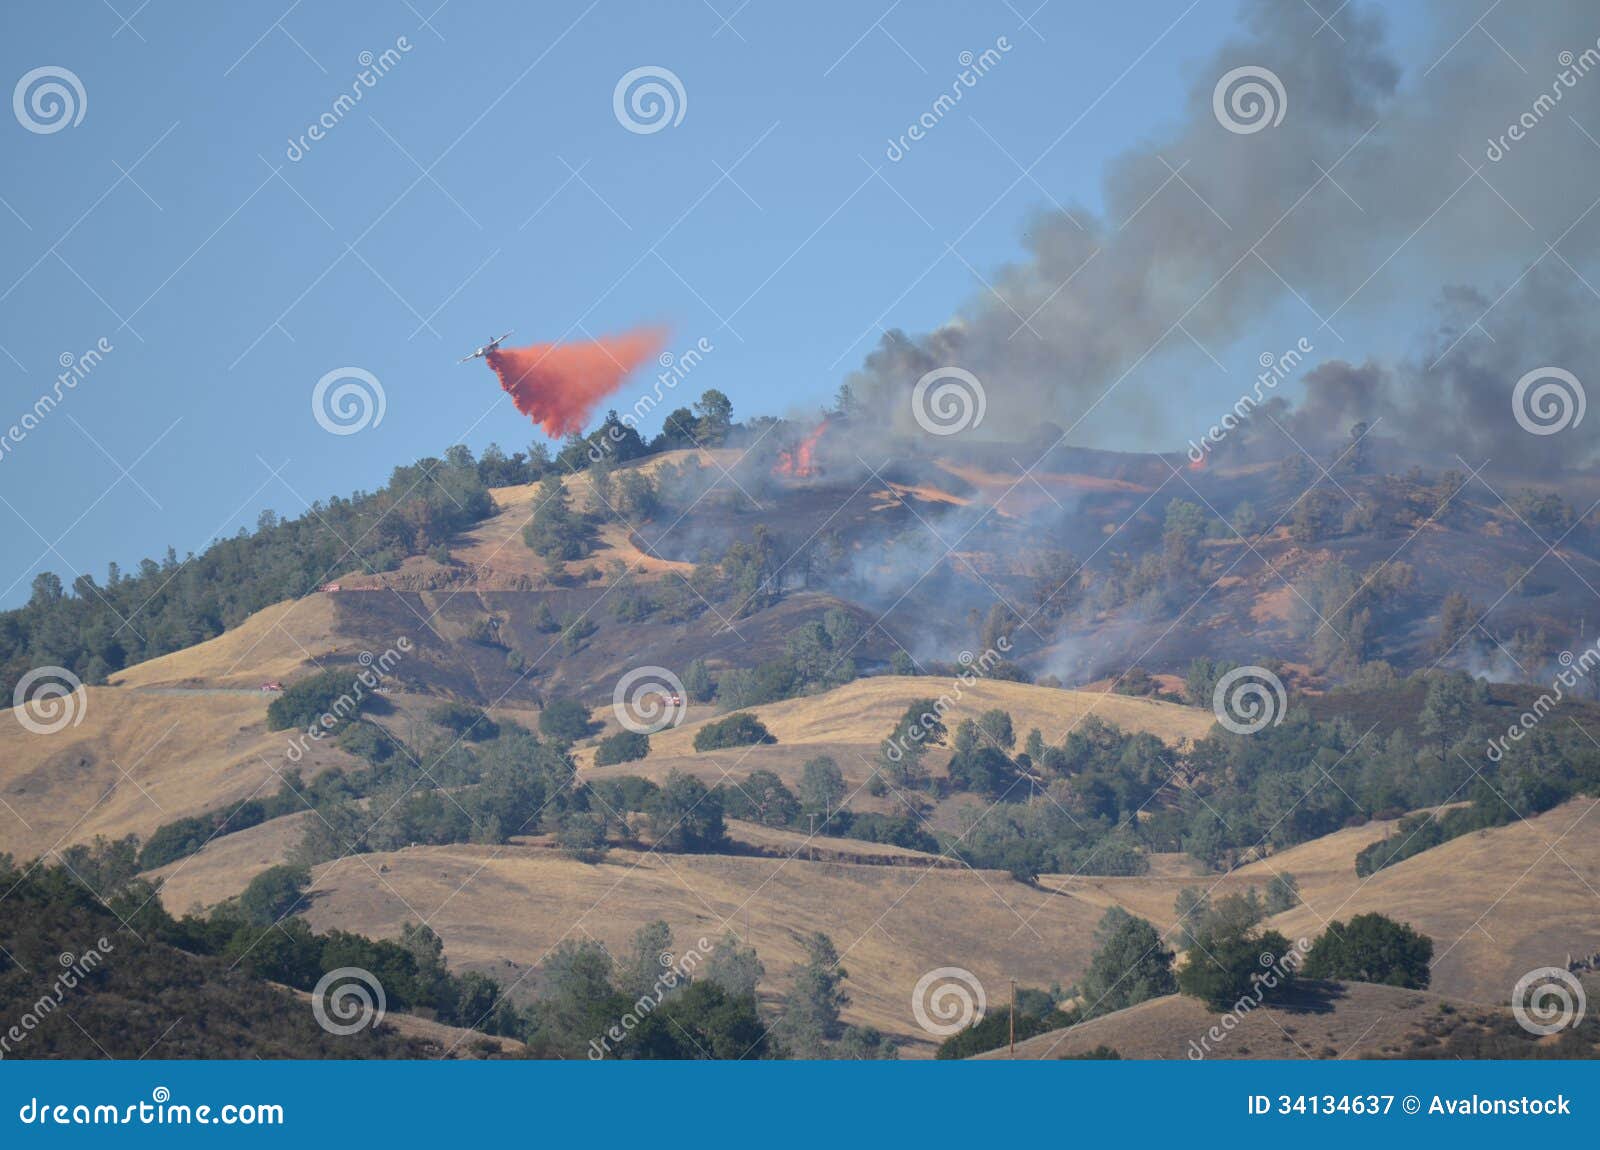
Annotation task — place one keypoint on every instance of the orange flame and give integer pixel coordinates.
(800, 463)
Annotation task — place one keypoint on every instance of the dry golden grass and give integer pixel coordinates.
(276, 642)
(139, 759)
(450, 1041)
(1360, 1019)
(225, 865)
(495, 906)
(1496, 903)
(863, 712)
(733, 766)
(498, 558)
(1324, 868)
(778, 842)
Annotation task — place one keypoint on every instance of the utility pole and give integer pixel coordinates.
(1013, 1018)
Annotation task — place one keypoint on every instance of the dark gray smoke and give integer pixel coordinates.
(1249, 238)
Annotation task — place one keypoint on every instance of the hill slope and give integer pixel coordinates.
(1326, 1020)
(140, 759)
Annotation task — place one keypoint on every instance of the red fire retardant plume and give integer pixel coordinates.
(558, 385)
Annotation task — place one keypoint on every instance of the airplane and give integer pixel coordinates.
(492, 345)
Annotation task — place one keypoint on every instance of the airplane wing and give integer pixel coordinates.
(468, 358)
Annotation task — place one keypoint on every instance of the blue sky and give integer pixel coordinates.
(484, 183)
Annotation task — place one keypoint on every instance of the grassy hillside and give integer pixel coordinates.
(1497, 902)
(140, 759)
(865, 711)
(1323, 1021)
(502, 909)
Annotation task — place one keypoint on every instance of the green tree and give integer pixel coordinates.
(327, 700)
(737, 730)
(822, 788)
(555, 531)
(996, 726)
(621, 747)
(1283, 893)
(565, 720)
(1226, 970)
(733, 967)
(1372, 948)
(677, 431)
(716, 417)
(697, 682)
(649, 954)
(810, 1021)
(582, 836)
(900, 755)
(274, 893)
(762, 798)
(1131, 964)
(1448, 707)
(686, 815)
(703, 1022)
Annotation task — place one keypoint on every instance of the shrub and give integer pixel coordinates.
(274, 893)
(334, 696)
(466, 721)
(686, 816)
(625, 793)
(1130, 965)
(761, 798)
(622, 747)
(1227, 970)
(565, 720)
(1372, 948)
(583, 836)
(993, 1031)
(737, 730)
(183, 837)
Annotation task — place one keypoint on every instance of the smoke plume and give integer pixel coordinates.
(1389, 183)
(559, 385)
